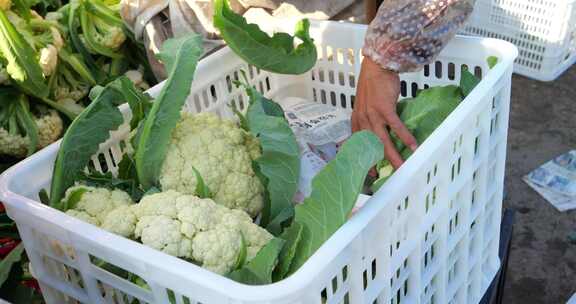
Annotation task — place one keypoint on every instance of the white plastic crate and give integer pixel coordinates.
(543, 30)
(430, 235)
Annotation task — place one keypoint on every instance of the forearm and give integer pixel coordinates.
(407, 34)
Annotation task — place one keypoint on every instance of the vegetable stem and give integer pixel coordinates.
(103, 12)
(78, 66)
(70, 115)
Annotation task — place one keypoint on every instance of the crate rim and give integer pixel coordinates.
(326, 253)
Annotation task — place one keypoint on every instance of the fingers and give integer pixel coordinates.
(378, 126)
(359, 119)
(401, 131)
(376, 96)
(355, 122)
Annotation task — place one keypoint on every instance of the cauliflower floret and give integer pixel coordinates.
(218, 249)
(254, 236)
(75, 94)
(12, 144)
(49, 127)
(121, 221)
(114, 38)
(48, 59)
(137, 77)
(164, 233)
(193, 228)
(222, 153)
(98, 202)
(81, 215)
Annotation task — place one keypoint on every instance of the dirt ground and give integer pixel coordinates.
(542, 266)
(542, 125)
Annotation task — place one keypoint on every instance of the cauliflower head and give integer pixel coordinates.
(101, 206)
(197, 229)
(50, 127)
(48, 59)
(222, 153)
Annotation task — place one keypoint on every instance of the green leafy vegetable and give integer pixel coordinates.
(95, 91)
(82, 140)
(25, 117)
(22, 7)
(139, 102)
(6, 264)
(97, 30)
(73, 26)
(163, 116)
(127, 179)
(292, 235)
(468, 82)
(280, 159)
(334, 193)
(275, 54)
(71, 79)
(259, 270)
(15, 116)
(127, 168)
(21, 60)
(423, 114)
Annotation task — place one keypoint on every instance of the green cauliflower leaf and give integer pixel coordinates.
(275, 54)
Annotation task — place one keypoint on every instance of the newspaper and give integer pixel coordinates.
(320, 130)
(572, 300)
(556, 181)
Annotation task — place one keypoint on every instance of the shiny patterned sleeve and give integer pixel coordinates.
(405, 35)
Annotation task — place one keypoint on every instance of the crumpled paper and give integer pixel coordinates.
(556, 181)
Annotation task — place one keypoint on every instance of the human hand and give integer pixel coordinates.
(375, 109)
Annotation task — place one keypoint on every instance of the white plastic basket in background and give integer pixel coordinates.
(543, 30)
(430, 235)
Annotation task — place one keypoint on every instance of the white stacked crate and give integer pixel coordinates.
(543, 30)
